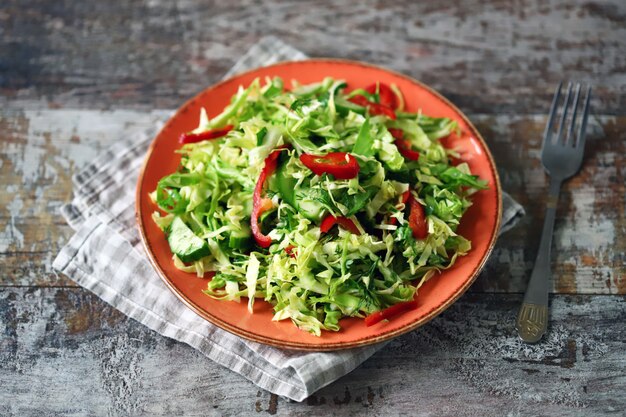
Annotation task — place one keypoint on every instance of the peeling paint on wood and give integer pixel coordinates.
(468, 361)
(590, 230)
(488, 56)
(39, 153)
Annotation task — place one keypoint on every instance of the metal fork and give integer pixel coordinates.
(562, 156)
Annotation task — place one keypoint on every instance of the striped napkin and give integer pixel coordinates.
(105, 256)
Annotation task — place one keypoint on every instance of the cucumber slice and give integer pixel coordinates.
(310, 209)
(240, 239)
(286, 185)
(343, 106)
(184, 243)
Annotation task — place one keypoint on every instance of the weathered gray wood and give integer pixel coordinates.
(488, 56)
(590, 232)
(65, 352)
(41, 149)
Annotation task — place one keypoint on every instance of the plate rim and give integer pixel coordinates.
(384, 336)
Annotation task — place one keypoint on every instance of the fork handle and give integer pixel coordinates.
(532, 319)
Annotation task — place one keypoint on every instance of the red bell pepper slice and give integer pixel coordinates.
(259, 204)
(389, 312)
(207, 135)
(417, 219)
(403, 199)
(386, 96)
(289, 250)
(330, 220)
(403, 145)
(405, 196)
(374, 108)
(360, 101)
(341, 165)
(396, 133)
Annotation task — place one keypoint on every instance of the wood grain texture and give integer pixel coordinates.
(75, 76)
(41, 149)
(488, 56)
(64, 344)
(590, 232)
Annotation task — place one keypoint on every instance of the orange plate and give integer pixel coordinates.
(480, 223)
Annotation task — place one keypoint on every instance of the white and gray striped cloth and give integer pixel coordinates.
(106, 257)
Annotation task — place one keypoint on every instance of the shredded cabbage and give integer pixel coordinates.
(314, 278)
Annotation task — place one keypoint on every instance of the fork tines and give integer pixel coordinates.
(566, 110)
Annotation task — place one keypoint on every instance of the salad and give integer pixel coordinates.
(324, 202)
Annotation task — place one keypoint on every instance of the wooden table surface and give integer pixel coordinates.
(75, 76)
